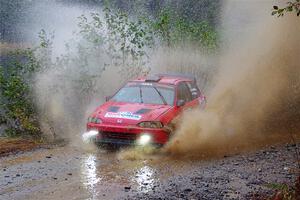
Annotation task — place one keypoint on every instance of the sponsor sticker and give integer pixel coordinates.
(123, 115)
(148, 84)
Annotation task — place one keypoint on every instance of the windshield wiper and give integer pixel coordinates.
(161, 96)
(141, 95)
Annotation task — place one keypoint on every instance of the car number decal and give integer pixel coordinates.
(123, 115)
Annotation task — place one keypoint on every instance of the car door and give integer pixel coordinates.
(198, 98)
(184, 93)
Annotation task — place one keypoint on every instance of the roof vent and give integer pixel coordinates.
(177, 75)
(152, 79)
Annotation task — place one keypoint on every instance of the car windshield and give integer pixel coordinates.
(145, 94)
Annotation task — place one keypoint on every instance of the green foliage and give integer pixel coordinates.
(175, 23)
(125, 36)
(191, 10)
(292, 6)
(174, 30)
(162, 26)
(122, 40)
(18, 110)
(46, 41)
(286, 192)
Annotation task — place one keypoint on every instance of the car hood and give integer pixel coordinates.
(129, 113)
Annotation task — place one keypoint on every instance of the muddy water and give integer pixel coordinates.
(68, 172)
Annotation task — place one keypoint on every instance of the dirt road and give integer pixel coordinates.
(69, 173)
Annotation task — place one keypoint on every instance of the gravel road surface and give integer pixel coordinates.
(70, 173)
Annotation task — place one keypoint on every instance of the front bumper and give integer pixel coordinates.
(127, 135)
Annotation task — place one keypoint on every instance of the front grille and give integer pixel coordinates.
(116, 135)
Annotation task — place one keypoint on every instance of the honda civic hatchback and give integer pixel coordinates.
(143, 111)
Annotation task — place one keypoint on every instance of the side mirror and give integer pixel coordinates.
(194, 92)
(107, 98)
(180, 103)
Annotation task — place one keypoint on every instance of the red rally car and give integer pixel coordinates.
(142, 111)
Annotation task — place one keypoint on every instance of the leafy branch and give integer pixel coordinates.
(291, 6)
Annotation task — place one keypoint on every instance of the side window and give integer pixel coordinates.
(184, 92)
(194, 89)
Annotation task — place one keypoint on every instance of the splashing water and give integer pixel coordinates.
(255, 100)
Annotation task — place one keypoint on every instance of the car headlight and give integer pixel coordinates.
(144, 139)
(151, 124)
(94, 120)
(90, 135)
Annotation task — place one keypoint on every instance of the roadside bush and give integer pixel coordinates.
(17, 103)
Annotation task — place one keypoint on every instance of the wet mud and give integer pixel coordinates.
(70, 173)
(10, 146)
